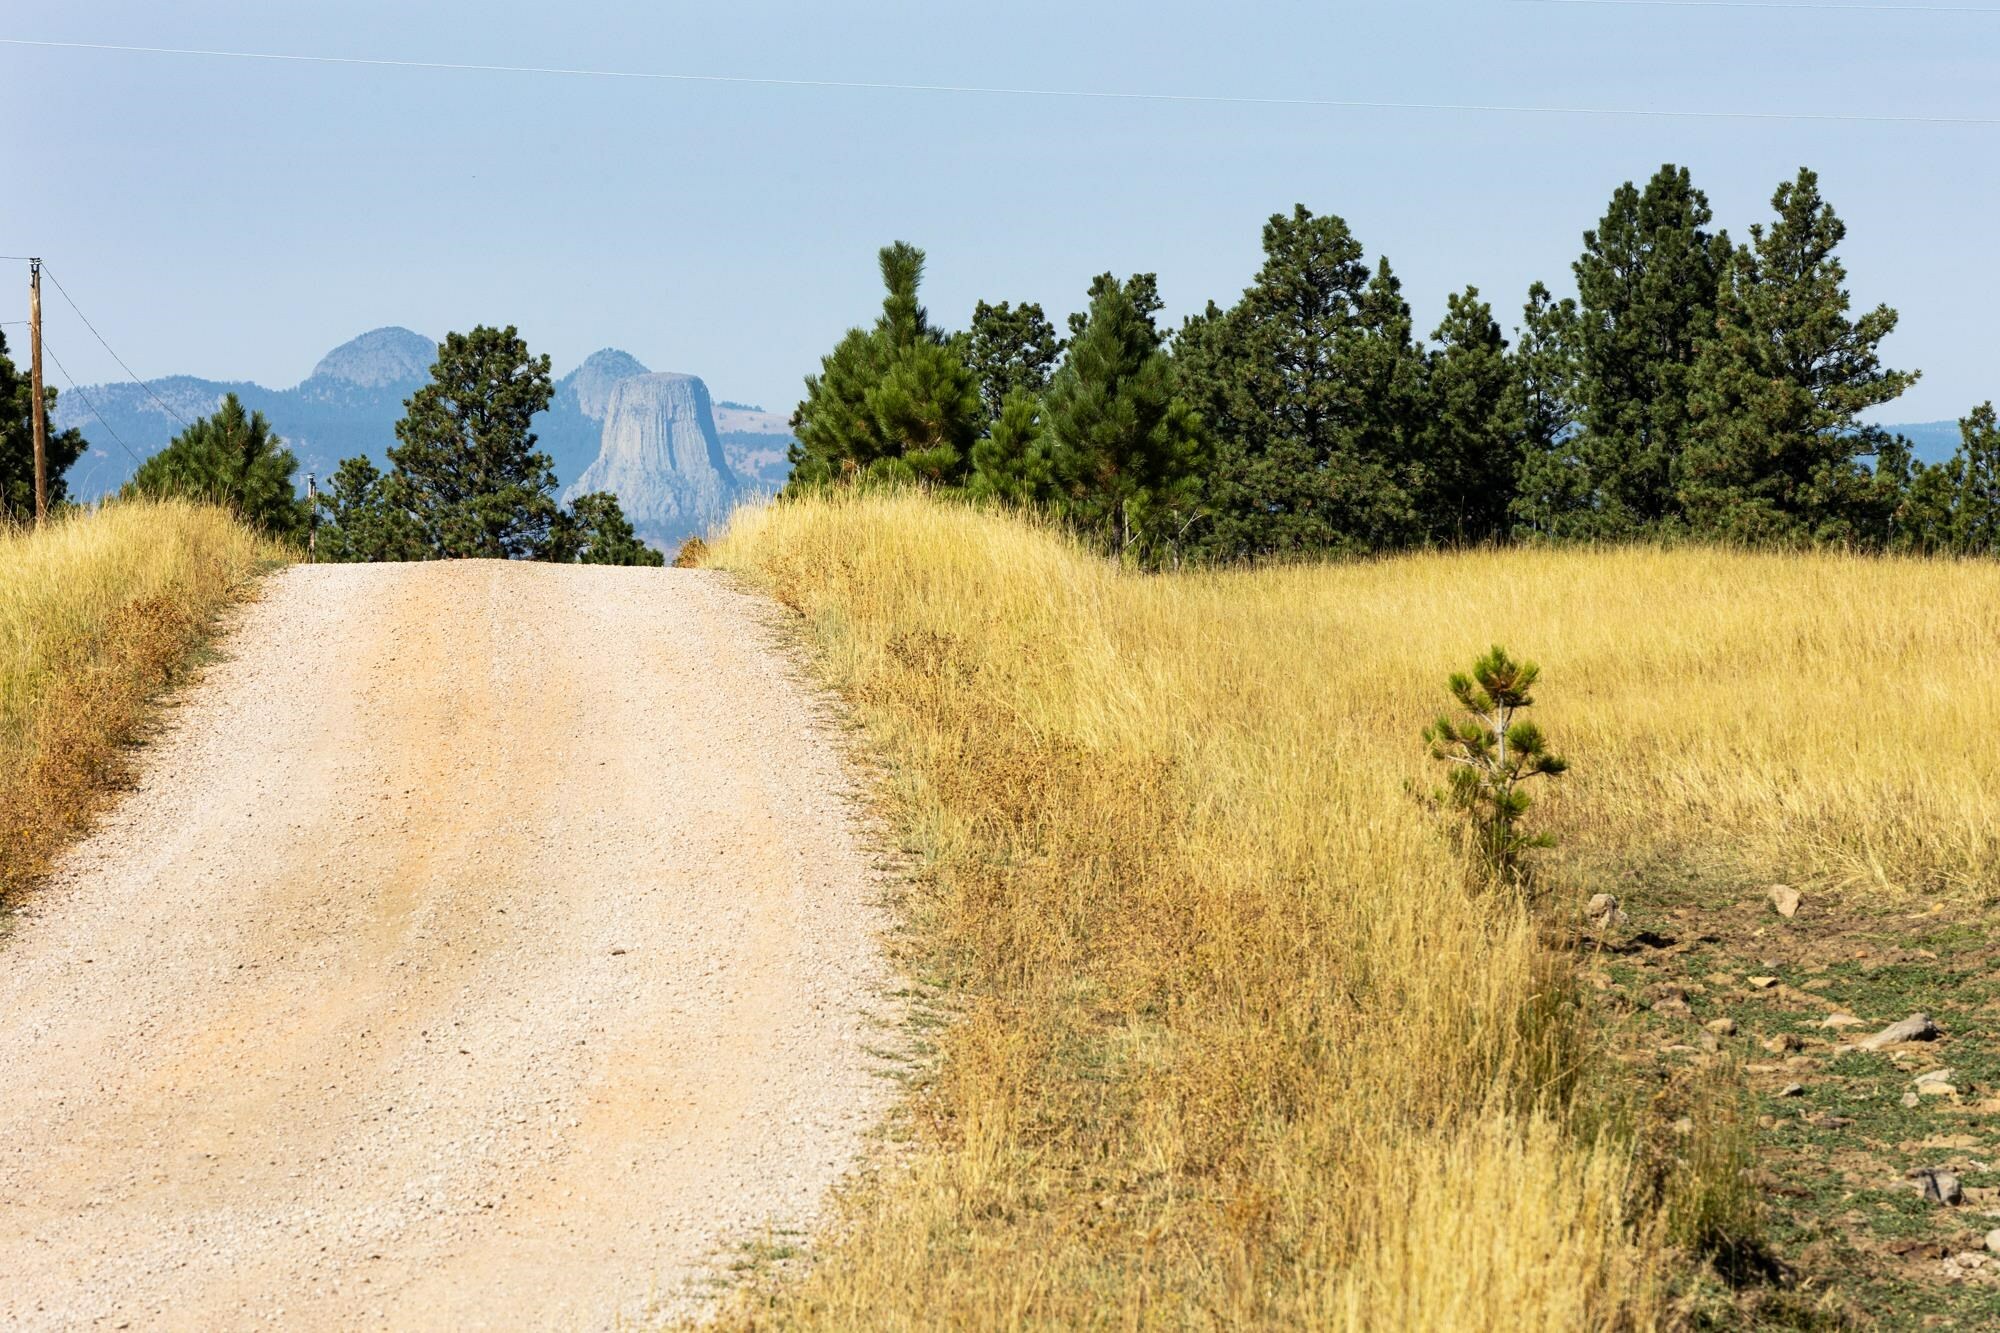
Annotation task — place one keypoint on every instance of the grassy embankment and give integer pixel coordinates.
(1233, 1040)
(98, 612)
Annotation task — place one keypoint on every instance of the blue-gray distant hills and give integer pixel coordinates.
(683, 459)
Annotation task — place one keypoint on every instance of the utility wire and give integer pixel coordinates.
(77, 389)
(107, 347)
(1074, 94)
(1817, 5)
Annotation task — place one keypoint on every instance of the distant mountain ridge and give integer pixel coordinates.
(351, 402)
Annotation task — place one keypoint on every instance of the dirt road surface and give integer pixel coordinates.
(485, 945)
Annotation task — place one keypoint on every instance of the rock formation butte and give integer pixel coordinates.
(662, 459)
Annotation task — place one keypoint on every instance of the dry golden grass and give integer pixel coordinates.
(1234, 1039)
(98, 611)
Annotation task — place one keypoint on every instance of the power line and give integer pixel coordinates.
(1817, 5)
(1074, 94)
(77, 389)
(107, 347)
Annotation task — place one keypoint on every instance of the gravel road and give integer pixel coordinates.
(483, 945)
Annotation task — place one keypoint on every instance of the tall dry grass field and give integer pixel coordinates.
(1235, 1039)
(98, 610)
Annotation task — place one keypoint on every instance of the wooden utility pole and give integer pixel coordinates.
(35, 384)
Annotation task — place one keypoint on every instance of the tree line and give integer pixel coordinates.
(465, 479)
(1694, 387)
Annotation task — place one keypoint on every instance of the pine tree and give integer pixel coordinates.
(894, 402)
(467, 464)
(1310, 389)
(1955, 506)
(1012, 463)
(593, 530)
(1470, 448)
(60, 448)
(1011, 349)
(1123, 447)
(229, 458)
(1490, 755)
(1646, 284)
(927, 408)
(1551, 485)
(1778, 392)
(363, 517)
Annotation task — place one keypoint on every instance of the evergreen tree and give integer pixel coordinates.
(896, 401)
(1975, 475)
(1308, 387)
(60, 449)
(1010, 349)
(1955, 506)
(363, 517)
(1012, 463)
(1551, 487)
(1778, 392)
(1123, 447)
(927, 407)
(1646, 284)
(467, 465)
(229, 458)
(595, 531)
(1471, 434)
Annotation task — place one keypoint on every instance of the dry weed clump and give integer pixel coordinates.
(98, 611)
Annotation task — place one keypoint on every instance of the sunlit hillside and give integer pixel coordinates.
(1236, 1038)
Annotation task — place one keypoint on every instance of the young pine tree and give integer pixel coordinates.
(1490, 754)
(467, 467)
(1777, 440)
(1123, 448)
(229, 458)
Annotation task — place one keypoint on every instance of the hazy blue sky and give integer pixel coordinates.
(236, 219)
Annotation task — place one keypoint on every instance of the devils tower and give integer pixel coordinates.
(662, 459)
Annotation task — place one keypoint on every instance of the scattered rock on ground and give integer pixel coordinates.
(1993, 1240)
(1721, 1027)
(1792, 1090)
(1763, 983)
(1917, 1027)
(1937, 1083)
(1605, 911)
(1785, 900)
(1837, 1021)
(1783, 1044)
(1939, 1185)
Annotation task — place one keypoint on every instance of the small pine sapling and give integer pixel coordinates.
(1491, 754)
